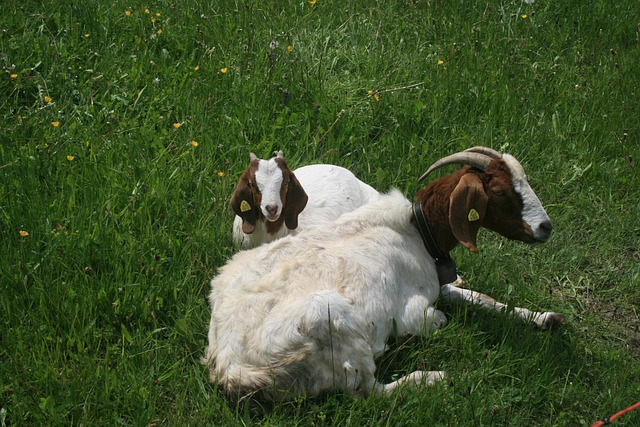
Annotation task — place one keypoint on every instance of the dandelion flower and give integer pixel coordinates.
(220, 174)
(70, 158)
(127, 13)
(159, 31)
(196, 68)
(14, 76)
(312, 2)
(440, 62)
(47, 99)
(177, 125)
(524, 16)
(23, 233)
(157, 13)
(86, 35)
(224, 70)
(194, 143)
(55, 124)
(153, 20)
(376, 97)
(369, 92)
(147, 11)
(290, 48)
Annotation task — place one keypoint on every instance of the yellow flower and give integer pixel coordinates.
(524, 16)
(14, 76)
(157, 13)
(23, 233)
(87, 34)
(224, 70)
(177, 125)
(312, 2)
(196, 68)
(55, 124)
(376, 97)
(127, 13)
(147, 11)
(220, 174)
(159, 31)
(440, 62)
(194, 143)
(153, 20)
(290, 48)
(70, 158)
(47, 99)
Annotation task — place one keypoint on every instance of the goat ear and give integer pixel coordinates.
(296, 200)
(467, 206)
(242, 204)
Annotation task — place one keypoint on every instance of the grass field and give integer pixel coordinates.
(125, 125)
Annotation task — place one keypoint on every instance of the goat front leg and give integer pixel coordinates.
(455, 292)
(428, 378)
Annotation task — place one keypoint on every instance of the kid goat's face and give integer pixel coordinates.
(269, 179)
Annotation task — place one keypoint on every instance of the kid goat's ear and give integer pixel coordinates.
(296, 200)
(242, 204)
(467, 206)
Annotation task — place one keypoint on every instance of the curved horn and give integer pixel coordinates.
(486, 151)
(478, 160)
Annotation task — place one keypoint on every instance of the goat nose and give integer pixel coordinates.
(272, 209)
(546, 229)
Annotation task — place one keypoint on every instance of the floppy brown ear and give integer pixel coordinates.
(295, 202)
(467, 206)
(242, 204)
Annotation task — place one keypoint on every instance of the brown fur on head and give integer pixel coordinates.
(458, 205)
(247, 198)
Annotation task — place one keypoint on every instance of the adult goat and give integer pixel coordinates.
(271, 200)
(311, 312)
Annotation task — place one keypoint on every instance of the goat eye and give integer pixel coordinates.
(498, 192)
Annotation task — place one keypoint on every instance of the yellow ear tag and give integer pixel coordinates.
(244, 206)
(473, 215)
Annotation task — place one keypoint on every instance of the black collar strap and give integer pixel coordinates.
(445, 265)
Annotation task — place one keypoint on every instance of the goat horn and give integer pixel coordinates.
(486, 151)
(478, 160)
(280, 155)
(252, 157)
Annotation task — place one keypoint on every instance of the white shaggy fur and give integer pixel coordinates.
(285, 321)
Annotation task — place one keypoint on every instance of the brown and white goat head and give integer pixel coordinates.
(491, 191)
(268, 190)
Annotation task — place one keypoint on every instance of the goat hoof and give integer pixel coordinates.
(550, 320)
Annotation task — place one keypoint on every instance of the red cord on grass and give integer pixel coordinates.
(616, 415)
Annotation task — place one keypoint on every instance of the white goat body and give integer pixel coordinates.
(331, 190)
(286, 311)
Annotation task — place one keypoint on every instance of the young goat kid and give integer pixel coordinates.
(311, 312)
(270, 200)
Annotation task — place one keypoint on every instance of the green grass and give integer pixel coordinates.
(102, 305)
